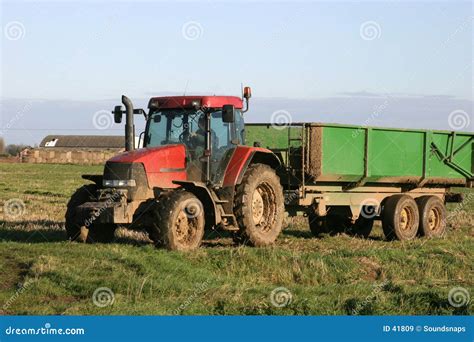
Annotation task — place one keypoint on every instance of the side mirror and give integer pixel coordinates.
(156, 118)
(228, 113)
(118, 114)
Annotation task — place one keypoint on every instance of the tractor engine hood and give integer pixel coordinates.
(162, 165)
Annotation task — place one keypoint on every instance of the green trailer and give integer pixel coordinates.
(345, 177)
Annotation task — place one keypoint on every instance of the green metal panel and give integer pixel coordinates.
(269, 136)
(344, 153)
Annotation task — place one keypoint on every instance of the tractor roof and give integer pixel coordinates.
(170, 102)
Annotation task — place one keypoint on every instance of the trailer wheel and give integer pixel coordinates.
(259, 206)
(400, 218)
(180, 221)
(361, 228)
(432, 216)
(75, 226)
(317, 224)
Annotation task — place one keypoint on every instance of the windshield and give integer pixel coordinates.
(187, 127)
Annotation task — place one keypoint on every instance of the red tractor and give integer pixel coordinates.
(193, 173)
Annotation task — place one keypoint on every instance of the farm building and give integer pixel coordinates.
(74, 149)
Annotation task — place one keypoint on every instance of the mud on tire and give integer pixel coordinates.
(178, 222)
(75, 225)
(432, 216)
(259, 206)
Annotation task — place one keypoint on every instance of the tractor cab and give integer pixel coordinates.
(209, 127)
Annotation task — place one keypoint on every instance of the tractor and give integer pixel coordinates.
(194, 173)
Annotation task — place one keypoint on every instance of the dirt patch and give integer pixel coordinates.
(12, 272)
(372, 270)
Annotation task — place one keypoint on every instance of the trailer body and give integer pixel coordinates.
(345, 166)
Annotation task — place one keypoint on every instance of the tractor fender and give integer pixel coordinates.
(242, 158)
(202, 192)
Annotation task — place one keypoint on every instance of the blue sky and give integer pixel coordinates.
(312, 59)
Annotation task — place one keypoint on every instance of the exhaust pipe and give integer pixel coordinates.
(129, 125)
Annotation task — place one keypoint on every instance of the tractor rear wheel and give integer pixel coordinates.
(432, 216)
(400, 218)
(179, 222)
(259, 206)
(76, 227)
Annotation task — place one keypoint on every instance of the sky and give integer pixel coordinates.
(381, 63)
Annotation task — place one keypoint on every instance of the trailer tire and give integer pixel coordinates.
(432, 216)
(259, 206)
(400, 218)
(179, 221)
(361, 228)
(317, 224)
(75, 226)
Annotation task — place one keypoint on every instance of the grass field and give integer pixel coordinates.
(42, 273)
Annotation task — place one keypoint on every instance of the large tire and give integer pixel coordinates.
(75, 225)
(432, 216)
(179, 222)
(335, 224)
(362, 227)
(400, 218)
(317, 224)
(259, 206)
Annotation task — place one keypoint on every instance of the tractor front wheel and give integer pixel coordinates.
(179, 222)
(259, 206)
(76, 225)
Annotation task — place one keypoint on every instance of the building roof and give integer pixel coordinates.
(83, 141)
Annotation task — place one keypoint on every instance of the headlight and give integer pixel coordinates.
(116, 183)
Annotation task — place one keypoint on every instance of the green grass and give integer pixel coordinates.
(326, 276)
